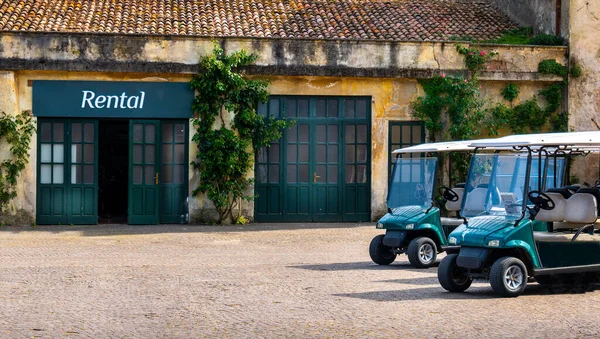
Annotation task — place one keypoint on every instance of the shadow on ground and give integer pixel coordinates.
(475, 292)
(360, 265)
(122, 229)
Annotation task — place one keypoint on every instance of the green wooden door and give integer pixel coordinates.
(173, 172)
(143, 172)
(321, 172)
(67, 186)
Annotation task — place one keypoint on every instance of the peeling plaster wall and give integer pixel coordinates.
(584, 92)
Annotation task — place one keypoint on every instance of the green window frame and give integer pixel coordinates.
(403, 134)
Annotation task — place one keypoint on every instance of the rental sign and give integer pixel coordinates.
(107, 99)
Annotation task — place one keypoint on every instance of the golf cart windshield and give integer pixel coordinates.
(412, 183)
(496, 183)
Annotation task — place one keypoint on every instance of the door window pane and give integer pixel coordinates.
(321, 133)
(362, 134)
(178, 174)
(262, 174)
(167, 132)
(88, 153)
(179, 133)
(150, 132)
(406, 134)
(303, 108)
(304, 133)
(332, 108)
(291, 173)
(167, 174)
(76, 174)
(76, 132)
(262, 154)
(149, 156)
(293, 134)
(46, 132)
(396, 134)
(274, 153)
(332, 174)
(88, 132)
(76, 150)
(350, 133)
(321, 173)
(350, 153)
(303, 173)
(361, 108)
(361, 155)
(58, 153)
(167, 153)
(321, 108)
(274, 108)
(138, 132)
(46, 153)
(273, 174)
(58, 174)
(321, 153)
(291, 108)
(149, 175)
(59, 132)
(137, 174)
(291, 153)
(179, 154)
(45, 174)
(332, 133)
(303, 153)
(332, 154)
(349, 109)
(350, 174)
(361, 174)
(88, 174)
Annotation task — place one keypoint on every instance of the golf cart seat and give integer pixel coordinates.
(445, 221)
(581, 209)
(564, 191)
(557, 214)
(454, 206)
(564, 237)
(475, 203)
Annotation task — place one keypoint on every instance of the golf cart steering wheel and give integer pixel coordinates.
(448, 194)
(542, 200)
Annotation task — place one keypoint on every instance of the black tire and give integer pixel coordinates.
(381, 254)
(422, 252)
(499, 277)
(451, 277)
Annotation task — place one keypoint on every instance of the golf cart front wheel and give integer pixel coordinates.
(452, 277)
(422, 252)
(508, 277)
(381, 254)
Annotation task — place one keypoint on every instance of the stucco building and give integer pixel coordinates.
(106, 82)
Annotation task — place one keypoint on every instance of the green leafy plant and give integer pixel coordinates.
(226, 154)
(551, 66)
(17, 131)
(510, 92)
(576, 70)
(475, 59)
(547, 40)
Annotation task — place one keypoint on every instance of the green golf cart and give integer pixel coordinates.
(413, 224)
(527, 226)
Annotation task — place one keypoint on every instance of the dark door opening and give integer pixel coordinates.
(113, 170)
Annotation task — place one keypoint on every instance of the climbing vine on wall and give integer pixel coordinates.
(226, 153)
(453, 109)
(17, 132)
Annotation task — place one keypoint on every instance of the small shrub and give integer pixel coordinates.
(576, 70)
(510, 92)
(547, 40)
(551, 66)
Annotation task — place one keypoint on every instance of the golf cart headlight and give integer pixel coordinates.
(494, 243)
(409, 226)
(379, 225)
(452, 240)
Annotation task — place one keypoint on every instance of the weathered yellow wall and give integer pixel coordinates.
(390, 101)
(584, 92)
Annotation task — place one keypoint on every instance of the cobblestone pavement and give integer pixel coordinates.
(291, 280)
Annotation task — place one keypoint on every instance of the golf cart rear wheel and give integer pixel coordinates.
(381, 254)
(508, 276)
(422, 252)
(452, 277)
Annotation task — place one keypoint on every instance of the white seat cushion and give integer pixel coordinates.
(454, 206)
(555, 214)
(581, 208)
(475, 203)
(451, 221)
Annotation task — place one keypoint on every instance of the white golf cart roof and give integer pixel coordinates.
(448, 146)
(571, 140)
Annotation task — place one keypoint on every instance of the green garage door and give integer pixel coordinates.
(320, 169)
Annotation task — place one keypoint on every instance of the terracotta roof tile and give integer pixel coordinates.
(418, 20)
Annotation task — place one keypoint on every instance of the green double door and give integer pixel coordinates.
(67, 180)
(319, 170)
